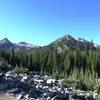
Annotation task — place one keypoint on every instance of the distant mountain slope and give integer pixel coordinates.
(66, 42)
(5, 44)
(26, 45)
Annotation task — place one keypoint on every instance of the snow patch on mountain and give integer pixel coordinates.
(4, 41)
(26, 45)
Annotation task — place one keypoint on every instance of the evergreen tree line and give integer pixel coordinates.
(67, 64)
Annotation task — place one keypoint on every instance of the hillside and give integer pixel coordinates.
(6, 44)
(66, 42)
(66, 68)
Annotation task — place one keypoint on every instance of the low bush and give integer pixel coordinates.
(85, 85)
(19, 70)
(68, 81)
(4, 66)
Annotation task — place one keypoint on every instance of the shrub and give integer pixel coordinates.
(68, 81)
(97, 89)
(80, 85)
(98, 98)
(56, 75)
(85, 85)
(19, 70)
(90, 84)
(4, 66)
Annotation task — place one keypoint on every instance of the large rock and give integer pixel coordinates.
(19, 96)
(50, 81)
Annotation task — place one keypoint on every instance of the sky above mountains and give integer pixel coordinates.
(43, 21)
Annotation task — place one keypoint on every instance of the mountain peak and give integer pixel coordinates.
(5, 40)
(26, 45)
(67, 37)
(23, 43)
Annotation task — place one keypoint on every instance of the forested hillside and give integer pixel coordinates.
(75, 61)
(72, 65)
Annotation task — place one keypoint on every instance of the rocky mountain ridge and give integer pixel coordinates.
(6, 44)
(66, 42)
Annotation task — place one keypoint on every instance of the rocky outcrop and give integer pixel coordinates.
(35, 86)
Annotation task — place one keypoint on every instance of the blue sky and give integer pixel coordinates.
(43, 21)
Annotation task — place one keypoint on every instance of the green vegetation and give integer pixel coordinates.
(70, 65)
(4, 66)
(68, 81)
(19, 70)
(98, 98)
(89, 85)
